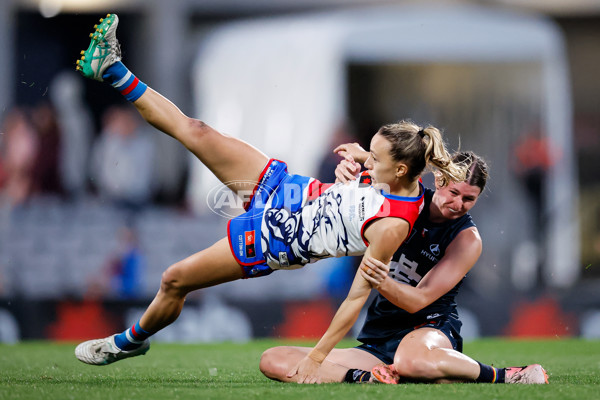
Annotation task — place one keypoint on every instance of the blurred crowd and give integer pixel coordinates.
(53, 148)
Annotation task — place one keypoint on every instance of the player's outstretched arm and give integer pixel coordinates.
(384, 235)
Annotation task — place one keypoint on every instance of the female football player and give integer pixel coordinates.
(290, 220)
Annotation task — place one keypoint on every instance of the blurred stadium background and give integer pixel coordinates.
(94, 206)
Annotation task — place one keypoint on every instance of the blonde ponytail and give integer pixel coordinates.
(421, 147)
(437, 156)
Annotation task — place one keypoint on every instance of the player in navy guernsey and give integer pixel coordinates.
(412, 328)
(290, 220)
(421, 252)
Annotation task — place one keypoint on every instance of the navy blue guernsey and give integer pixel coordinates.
(425, 246)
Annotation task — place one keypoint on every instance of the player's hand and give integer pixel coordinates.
(346, 171)
(374, 271)
(352, 152)
(306, 370)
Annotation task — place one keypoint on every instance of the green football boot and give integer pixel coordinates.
(104, 49)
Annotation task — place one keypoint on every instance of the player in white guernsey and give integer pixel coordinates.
(325, 220)
(292, 230)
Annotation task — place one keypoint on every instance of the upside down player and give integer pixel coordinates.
(412, 329)
(290, 221)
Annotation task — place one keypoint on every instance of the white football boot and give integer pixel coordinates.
(105, 351)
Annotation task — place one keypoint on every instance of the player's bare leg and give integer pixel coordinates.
(230, 159)
(209, 267)
(206, 268)
(276, 362)
(426, 354)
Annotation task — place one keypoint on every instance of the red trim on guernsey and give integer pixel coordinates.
(406, 210)
(131, 86)
(316, 188)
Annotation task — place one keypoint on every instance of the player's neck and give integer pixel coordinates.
(407, 189)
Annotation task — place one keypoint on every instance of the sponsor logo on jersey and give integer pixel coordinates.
(352, 212)
(361, 209)
(241, 245)
(283, 259)
(429, 255)
(433, 253)
(270, 170)
(249, 244)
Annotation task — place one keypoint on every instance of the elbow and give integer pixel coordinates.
(416, 306)
(412, 309)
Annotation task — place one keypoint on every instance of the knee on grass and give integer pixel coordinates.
(418, 369)
(273, 363)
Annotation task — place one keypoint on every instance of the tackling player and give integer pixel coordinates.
(412, 328)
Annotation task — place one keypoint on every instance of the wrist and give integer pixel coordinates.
(317, 356)
(383, 285)
(362, 157)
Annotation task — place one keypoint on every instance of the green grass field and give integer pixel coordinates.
(45, 370)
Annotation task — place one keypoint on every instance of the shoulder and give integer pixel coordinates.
(467, 240)
(394, 229)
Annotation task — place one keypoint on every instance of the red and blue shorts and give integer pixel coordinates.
(244, 231)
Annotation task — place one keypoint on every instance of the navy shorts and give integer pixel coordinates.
(386, 350)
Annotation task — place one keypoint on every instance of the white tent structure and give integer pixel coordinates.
(281, 85)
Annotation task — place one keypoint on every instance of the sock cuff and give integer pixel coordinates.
(122, 79)
(349, 375)
(354, 375)
(133, 88)
(132, 337)
(489, 374)
(137, 333)
(139, 329)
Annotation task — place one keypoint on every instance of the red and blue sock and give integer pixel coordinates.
(132, 338)
(124, 81)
